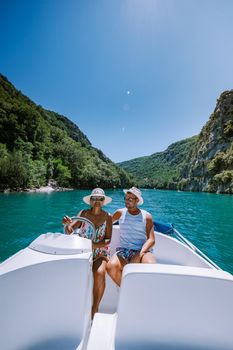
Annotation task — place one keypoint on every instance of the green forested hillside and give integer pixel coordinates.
(161, 169)
(37, 145)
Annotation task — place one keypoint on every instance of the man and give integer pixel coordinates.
(136, 235)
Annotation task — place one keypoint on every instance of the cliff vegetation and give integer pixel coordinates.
(162, 169)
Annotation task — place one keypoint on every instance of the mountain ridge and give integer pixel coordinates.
(160, 169)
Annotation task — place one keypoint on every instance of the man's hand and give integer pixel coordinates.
(141, 254)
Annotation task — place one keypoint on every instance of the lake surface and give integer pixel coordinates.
(205, 219)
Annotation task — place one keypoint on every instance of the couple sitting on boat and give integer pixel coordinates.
(136, 237)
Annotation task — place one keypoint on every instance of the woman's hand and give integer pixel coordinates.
(141, 254)
(66, 220)
(101, 244)
(94, 246)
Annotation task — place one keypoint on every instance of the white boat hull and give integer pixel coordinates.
(181, 302)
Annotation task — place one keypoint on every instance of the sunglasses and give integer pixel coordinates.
(130, 199)
(96, 199)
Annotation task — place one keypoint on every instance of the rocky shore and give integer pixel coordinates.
(50, 187)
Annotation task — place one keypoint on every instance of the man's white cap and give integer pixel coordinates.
(136, 192)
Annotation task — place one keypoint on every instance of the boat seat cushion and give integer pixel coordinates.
(174, 307)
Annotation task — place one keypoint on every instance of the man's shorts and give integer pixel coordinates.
(126, 254)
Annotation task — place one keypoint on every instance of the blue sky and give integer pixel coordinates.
(134, 75)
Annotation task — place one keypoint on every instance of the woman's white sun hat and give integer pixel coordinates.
(97, 192)
(136, 192)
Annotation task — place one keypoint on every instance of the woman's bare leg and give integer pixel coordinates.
(99, 272)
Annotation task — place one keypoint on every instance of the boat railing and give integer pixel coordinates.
(168, 229)
(195, 249)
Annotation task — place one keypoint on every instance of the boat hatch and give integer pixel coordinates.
(57, 243)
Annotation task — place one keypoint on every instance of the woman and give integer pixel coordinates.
(103, 225)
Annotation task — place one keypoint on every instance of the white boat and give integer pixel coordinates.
(184, 301)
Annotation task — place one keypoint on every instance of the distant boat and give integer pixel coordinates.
(184, 301)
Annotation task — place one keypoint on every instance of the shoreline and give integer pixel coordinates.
(42, 189)
(49, 189)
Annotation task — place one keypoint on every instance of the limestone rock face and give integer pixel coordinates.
(200, 163)
(210, 165)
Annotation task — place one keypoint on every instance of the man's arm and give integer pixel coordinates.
(150, 242)
(116, 216)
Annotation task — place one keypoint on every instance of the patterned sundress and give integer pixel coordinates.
(86, 231)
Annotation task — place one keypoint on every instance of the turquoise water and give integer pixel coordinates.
(205, 219)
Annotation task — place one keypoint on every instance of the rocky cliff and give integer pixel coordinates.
(210, 164)
(200, 163)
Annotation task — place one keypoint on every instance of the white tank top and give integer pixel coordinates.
(132, 229)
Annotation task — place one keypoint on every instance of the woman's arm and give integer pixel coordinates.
(108, 234)
(71, 225)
